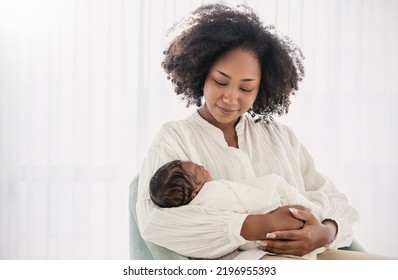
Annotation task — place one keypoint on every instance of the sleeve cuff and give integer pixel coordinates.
(235, 227)
(330, 243)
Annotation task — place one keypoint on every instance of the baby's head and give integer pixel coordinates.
(177, 182)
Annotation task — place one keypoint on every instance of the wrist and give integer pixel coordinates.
(332, 231)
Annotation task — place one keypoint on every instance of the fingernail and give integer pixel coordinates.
(293, 210)
(270, 235)
(264, 243)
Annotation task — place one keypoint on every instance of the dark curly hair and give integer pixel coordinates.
(171, 186)
(216, 28)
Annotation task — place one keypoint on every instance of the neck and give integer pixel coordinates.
(228, 129)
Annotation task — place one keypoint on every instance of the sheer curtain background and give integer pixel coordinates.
(82, 94)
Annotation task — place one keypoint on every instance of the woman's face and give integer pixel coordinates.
(231, 87)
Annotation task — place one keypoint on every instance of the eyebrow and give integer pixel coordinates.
(242, 80)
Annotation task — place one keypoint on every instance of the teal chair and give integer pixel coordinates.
(355, 246)
(142, 250)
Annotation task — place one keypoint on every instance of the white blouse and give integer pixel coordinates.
(203, 232)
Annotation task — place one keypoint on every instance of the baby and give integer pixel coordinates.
(178, 183)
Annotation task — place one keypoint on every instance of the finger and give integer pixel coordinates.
(300, 207)
(283, 235)
(280, 247)
(302, 215)
(293, 252)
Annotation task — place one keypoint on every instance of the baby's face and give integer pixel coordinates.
(199, 173)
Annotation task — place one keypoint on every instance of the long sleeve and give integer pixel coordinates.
(339, 209)
(287, 157)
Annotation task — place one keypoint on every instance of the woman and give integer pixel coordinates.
(239, 74)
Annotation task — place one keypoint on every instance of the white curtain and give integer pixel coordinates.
(82, 94)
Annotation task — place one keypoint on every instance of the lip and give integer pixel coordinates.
(226, 111)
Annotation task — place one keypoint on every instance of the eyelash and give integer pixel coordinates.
(224, 84)
(245, 90)
(220, 83)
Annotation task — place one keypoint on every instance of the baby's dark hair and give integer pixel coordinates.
(216, 28)
(171, 186)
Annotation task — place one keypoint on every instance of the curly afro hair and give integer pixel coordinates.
(216, 28)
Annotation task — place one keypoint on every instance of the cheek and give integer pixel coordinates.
(206, 87)
(210, 93)
(249, 100)
(254, 97)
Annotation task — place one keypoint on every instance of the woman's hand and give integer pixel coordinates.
(313, 235)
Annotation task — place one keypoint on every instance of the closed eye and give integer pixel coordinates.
(245, 90)
(220, 83)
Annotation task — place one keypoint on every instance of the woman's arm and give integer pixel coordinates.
(339, 217)
(340, 211)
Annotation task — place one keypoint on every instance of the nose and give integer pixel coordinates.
(230, 96)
